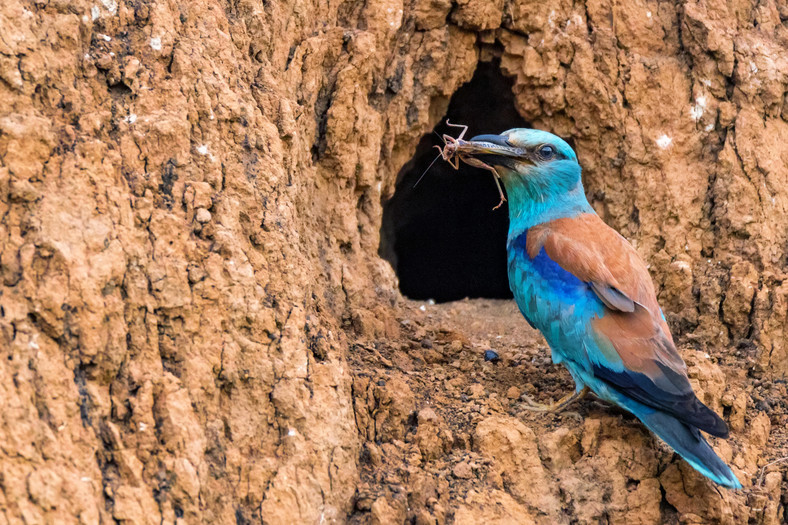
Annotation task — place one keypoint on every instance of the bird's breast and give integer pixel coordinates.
(554, 300)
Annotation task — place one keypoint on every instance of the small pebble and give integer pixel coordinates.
(492, 356)
(476, 390)
(462, 471)
(202, 216)
(374, 454)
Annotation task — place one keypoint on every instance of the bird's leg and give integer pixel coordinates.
(559, 406)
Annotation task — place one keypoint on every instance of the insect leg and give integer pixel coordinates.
(476, 163)
(462, 133)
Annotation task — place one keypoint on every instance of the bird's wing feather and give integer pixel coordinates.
(630, 346)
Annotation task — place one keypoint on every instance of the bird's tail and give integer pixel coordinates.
(689, 443)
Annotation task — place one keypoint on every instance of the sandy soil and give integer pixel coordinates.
(196, 324)
(449, 439)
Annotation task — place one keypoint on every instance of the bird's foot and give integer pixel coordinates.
(554, 408)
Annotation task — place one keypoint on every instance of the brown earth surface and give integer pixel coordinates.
(453, 441)
(195, 323)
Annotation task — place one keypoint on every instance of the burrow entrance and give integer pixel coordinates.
(442, 237)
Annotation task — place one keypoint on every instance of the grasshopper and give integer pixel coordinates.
(452, 152)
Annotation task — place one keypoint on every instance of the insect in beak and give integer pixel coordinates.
(457, 149)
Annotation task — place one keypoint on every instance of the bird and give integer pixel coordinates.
(586, 289)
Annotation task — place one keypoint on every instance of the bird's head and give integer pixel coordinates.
(535, 160)
(539, 170)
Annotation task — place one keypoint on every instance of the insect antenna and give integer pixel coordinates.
(428, 167)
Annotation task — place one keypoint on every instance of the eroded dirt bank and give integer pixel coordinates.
(194, 321)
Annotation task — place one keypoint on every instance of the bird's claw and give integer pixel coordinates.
(554, 408)
(532, 405)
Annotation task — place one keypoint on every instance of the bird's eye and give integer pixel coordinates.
(546, 152)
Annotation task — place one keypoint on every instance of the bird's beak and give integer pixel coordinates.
(490, 149)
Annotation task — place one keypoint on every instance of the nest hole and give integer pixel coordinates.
(443, 237)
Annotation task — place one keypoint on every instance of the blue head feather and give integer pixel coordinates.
(541, 190)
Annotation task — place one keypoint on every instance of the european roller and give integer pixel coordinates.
(584, 287)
